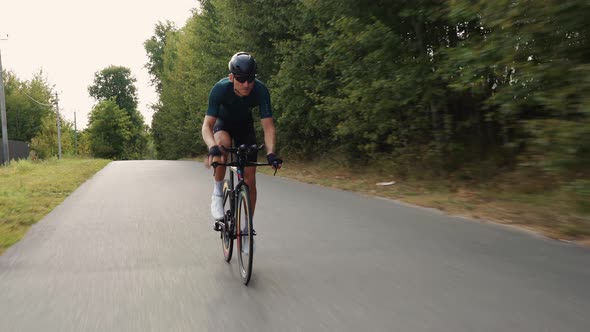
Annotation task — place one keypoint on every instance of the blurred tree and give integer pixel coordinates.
(84, 143)
(116, 83)
(454, 85)
(45, 144)
(192, 63)
(26, 105)
(155, 48)
(109, 130)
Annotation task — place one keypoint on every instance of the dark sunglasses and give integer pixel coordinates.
(243, 79)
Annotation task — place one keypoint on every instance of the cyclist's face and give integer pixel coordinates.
(242, 88)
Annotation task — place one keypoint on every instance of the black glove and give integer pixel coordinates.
(214, 151)
(273, 160)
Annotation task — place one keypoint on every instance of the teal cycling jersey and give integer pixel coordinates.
(236, 111)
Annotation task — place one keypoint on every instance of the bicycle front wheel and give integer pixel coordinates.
(245, 236)
(227, 241)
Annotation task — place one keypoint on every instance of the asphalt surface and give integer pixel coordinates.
(133, 249)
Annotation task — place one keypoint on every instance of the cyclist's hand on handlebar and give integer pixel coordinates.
(214, 151)
(275, 161)
(214, 155)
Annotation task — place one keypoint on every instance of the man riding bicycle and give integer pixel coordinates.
(229, 116)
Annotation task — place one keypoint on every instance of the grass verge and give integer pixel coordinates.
(29, 190)
(525, 201)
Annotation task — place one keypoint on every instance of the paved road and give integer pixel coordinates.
(132, 250)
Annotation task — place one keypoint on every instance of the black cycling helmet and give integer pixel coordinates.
(242, 64)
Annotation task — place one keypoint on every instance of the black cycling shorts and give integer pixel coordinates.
(239, 135)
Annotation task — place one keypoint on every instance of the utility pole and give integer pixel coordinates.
(58, 127)
(75, 136)
(3, 115)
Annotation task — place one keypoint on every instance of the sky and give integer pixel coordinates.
(70, 40)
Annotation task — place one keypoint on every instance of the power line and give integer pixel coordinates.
(33, 99)
(57, 113)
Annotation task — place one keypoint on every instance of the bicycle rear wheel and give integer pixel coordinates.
(245, 236)
(227, 241)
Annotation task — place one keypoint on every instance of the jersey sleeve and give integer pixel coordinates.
(215, 100)
(264, 100)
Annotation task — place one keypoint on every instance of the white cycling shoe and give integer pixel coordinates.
(217, 207)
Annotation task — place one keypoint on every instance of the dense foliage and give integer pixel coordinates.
(31, 116)
(442, 86)
(110, 130)
(25, 105)
(45, 143)
(431, 85)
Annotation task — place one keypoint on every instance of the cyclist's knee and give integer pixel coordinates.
(222, 138)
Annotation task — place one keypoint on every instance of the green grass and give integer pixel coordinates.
(30, 190)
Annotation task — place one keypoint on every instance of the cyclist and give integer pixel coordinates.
(229, 116)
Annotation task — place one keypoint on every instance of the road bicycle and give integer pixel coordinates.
(237, 221)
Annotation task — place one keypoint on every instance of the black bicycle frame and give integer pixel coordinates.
(233, 192)
(239, 165)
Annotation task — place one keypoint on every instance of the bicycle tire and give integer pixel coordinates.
(244, 231)
(227, 241)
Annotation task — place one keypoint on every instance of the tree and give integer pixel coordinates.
(186, 81)
(117, 84)
(45, 144)
(83, 148)
(155, 48)
(23, 114)
(109, 130)
(445, 86)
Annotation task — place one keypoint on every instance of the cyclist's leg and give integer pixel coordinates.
(250, 179)
(222, 137)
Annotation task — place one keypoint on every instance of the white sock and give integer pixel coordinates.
(218, 188)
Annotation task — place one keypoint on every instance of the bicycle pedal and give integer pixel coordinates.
(217, 226)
